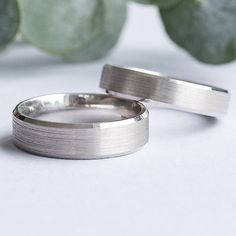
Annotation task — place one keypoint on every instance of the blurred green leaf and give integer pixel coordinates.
(160, 3)
(79, 30)
(113, 14)
(207, 29)
(9, 21)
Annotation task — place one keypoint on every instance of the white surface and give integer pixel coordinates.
(181, 183)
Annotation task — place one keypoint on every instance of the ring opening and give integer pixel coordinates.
(79, 108)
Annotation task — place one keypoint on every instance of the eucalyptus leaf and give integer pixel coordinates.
(9, 21)
(114, 16)
(160, 3)
(80, 30)
(207, 29)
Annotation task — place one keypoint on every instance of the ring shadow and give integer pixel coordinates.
(180, 124)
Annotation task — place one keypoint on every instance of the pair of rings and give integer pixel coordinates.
(125, 127)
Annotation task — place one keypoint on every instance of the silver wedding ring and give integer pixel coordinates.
(95, 126)
(123, 130)
(174, 93)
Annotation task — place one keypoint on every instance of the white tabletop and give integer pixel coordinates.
(183, 182)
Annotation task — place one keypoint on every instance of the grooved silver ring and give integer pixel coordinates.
(124, 134)
(174, 93)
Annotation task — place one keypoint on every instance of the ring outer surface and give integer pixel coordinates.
(81, 140)
(148, 86)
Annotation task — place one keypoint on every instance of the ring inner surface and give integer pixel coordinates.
(79, 108)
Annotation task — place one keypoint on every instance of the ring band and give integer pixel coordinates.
(174, 93)
(125, 132)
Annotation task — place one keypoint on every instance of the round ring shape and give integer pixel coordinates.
(124, 130)
(173, 93)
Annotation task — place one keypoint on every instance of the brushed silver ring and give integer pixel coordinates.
(174, 93)
(121, 134)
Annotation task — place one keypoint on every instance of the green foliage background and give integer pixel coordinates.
(82, 30)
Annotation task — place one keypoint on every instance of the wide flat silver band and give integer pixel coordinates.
(174, 93)
(94, 140)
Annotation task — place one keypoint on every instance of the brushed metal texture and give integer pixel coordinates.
(173, 93)
(92, 140)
